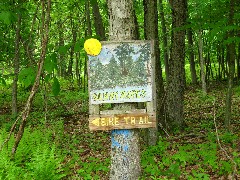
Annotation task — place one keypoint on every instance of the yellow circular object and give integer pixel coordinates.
(92, 46)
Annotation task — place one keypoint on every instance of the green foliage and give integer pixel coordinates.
(2, 81)
(7, 17)
(36, 157)
(55, 86)
(92, 168)
(50, 63)
(79, 45)
(45, 164)
(207, 98)
(27, 76)
(171, 160)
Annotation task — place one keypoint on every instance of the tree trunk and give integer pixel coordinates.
(62, 69)
(238, 64)
(191, 56)
(165, 41)
(88, 19)
(98, 22)
(231, 64)
(125, 162)
(78, 70)
(16, 67)
(151, 33)
(74, 35)
(224, 71)
(219, 62)
(88, 33)
(137, 33)
(176, 85)
(202, 62)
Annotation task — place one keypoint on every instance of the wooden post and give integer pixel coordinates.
(125, 155)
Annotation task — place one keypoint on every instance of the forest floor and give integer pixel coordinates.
(204, 150)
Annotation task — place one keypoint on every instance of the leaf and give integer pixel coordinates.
(55, 87)
(79, 45)
(93, 2)
(63, 49)
(54, 60)
(50, 63)
(47, 78)
(7, 17)
(27, 76)
(2, 81)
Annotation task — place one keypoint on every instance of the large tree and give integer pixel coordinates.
(151, 33)
(125, 153)
(231, 53)
(176, 84)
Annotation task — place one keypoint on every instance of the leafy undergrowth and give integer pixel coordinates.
(57, 143)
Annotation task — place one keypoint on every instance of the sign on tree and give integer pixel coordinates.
(122, 72)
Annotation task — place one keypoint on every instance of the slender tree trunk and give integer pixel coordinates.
(98, 22)
(16, 67)
(219, 63)
(44, 41)
(208, 70)
(137, 33)
(191, 56)
(88, 33)
(231, 64)
(165, 40)
(202, 62)
(88, 18)
(28, 45)
(176, 85)
(238, 64)
(74, 35)
(62, 69)
(224, 71)
(151, 33)
(125, 162)
(78, 70)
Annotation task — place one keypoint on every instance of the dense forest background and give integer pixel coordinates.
(44, 97)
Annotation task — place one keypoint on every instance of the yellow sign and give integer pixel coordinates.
(118, 95)
(116, 121)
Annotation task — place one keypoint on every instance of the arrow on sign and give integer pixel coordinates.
(96, 122)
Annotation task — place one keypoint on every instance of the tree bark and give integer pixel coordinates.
(98, 22)
(176, 85)
(165, 41)
(202, 62)
(16, 67)
(78, 70)
(191, 56)
(88, 33)
(88, 18)
(231, 64)
(74, 35)
(44, 41)
(62, 69)
(151, 33)
(125, 153)
(238, 64)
